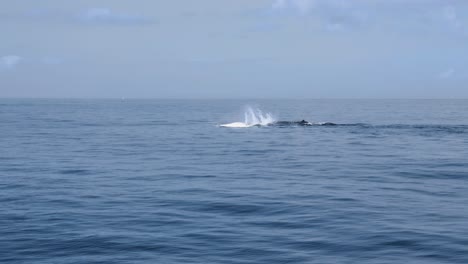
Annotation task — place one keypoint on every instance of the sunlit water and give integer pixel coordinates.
(154, 181)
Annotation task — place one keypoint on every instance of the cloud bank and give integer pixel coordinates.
(337, 15)
(9, 62)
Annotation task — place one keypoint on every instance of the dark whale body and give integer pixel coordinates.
(302, 123)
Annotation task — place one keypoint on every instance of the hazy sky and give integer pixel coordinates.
(234, 48)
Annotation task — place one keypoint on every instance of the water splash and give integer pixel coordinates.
(253, 117)
(257, 117)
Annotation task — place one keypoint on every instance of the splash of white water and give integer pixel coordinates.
(253, 117)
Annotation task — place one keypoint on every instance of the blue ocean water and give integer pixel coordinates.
(158, 181)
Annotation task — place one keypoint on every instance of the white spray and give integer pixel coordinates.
(253, 117)
(256, 117)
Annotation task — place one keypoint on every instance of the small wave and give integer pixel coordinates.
(76, 172)
(424, 128)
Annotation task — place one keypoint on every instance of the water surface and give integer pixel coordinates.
(158, 181)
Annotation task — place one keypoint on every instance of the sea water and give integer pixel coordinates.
(160, 181)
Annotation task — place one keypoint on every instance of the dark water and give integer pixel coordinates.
(154, 181)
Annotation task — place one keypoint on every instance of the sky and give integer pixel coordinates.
(234, 49)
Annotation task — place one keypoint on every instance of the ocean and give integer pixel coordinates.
(160, 181)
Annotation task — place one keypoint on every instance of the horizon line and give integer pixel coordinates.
(225, 98)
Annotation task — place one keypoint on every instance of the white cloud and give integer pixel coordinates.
(447, 74)
(398, 15)
(335, 15)
(106, 15)
(97, 14)
(90, 16)
(450, 15)
(334, 27)
(279, 4)
(9, 62)
(302, 6)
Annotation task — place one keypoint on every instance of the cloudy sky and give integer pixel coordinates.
(234, 49)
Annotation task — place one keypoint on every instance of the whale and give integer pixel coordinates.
(256, 118)
(302, 123)
(279, 123)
